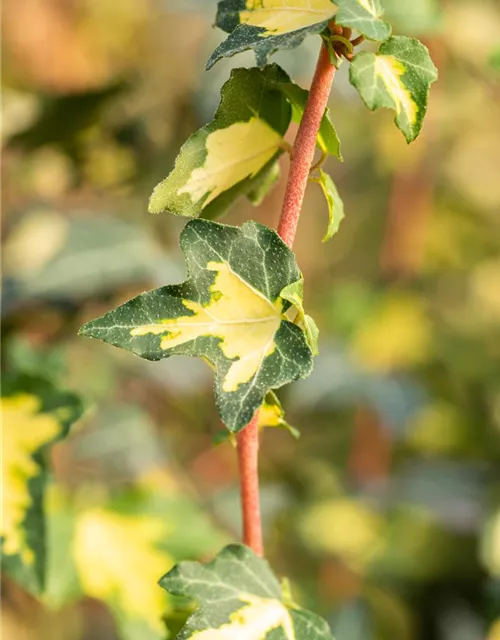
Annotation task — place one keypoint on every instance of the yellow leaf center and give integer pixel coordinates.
(252, 622)
(283, 16)
(244, 320)
(233, 154)
(390, 71)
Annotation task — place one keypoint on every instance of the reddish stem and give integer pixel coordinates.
(248, 456)
(302, 158)
(304, 146)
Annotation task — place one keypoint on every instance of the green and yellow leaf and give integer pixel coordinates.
(34, 415)
(239, 597)
(233, 154)
(364, 16)
(397, 77)
(230, 311)
(268, 25)
(335, 204)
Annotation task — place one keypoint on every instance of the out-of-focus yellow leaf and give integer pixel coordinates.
(118, 561)
(19, 111)
(346, 528)
(35, 240)
(24, 432)
(396, 336)
(48, 174)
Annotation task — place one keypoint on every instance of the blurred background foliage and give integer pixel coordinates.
(386, 514)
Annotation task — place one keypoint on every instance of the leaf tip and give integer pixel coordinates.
(86, 330)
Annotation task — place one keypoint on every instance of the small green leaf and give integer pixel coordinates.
(365, 17)
(328, 140)
(268, 25)
(272, 414)
(234, 154)
(238, 596)
(34, 415)
(229, 311)
(335, 204)
(294, 293)
(397, 77)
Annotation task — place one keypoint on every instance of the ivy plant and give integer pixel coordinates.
(241, 307)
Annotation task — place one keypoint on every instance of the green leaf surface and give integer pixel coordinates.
(238, 596)
(328, 140)
(35, 414)
(230, 311)
(335, 204)
(397, 77)
(268, 25)
(233, 154)
(365, 17)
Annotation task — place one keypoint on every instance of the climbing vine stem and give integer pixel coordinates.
(301, 161)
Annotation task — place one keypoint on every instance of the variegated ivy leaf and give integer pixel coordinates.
(397, 77)
(364, 16)
(233, 154)
(229, 311)
(268, 25)
(34, 415)
(239, 597)
(335, 204)
(236, 154)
